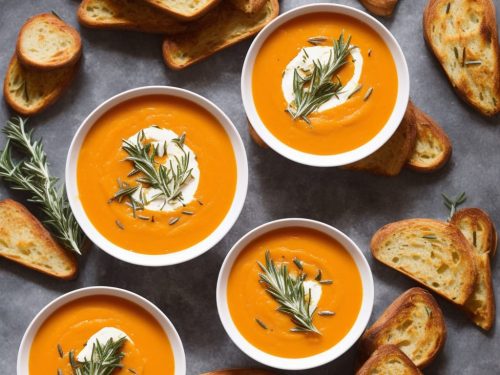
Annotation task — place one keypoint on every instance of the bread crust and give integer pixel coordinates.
(186, 16)
(450, 231)
(478, 217)
(373, 336)
(427, 128)
(382, 8)
(49, 99)
(70, 58)
(488, 34)
(249, 6)
(384, 353)
(44, 236)
(171, 44)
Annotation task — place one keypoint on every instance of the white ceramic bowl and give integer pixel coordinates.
(296, 363)
(173, 337)
(163, 259)
(338, 159)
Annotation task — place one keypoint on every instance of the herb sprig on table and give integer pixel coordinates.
(289, 292)
(104, 359)
(314, 89)
(31, 175)
(453, 203)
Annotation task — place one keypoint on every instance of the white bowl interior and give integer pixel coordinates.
(163, 259)
(173, 337)
(318, 359)
(337, 159)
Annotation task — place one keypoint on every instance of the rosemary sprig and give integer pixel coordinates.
(32, 176)
(289, 292)
(316, 88)
(453, 203)
(103, 360)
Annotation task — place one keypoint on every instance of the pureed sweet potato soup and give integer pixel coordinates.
(75, 329)
(322, 280)
(323, 100)
(156, 174)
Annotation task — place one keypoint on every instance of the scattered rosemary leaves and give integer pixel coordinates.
(104, 359)
(453, 203)
(32, 175)
(298, 263)
(315, 40)
(173, 220)
(60, 350)
(430, 237)
(368, 94)
(318, 275)
(119, 224)
(357, 89)
(260, 323)
(289, 292)
(326, 282)
(314, 89)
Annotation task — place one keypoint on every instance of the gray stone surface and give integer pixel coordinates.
(356, 203)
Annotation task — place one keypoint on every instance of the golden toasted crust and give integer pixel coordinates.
(463, 36)
(255, 137)
(29, 92)
(392, 156)
(219, 29)
(127, 15)
(25, 240)
(389, 360)
(433, 147)
(186, 10)
(414, 323)
(46, 42)
(432, 252)
(382, 8)
(479, 230)
(249, 6)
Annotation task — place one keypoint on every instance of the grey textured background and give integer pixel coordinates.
(356, 203)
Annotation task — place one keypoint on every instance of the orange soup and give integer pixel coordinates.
(152, 221)
(357, 110)
(323, 263)
(148, 352)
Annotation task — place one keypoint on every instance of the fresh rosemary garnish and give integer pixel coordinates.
(260, 323)
(314, 89)
(103, 360)
(32, 176)
(453, 203)
(298, 263)
(131, 370)
(60, 350)
(289, 292)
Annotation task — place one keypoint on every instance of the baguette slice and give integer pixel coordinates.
(460, 32)
(184, 9)
(392, 156)
(432, 252)
(46, 42)
(219, 29)
(433, 147)
(388, 360)
(414, 323)
(127, 15)
(478, 228)
(24, 240)
(382, 8)
(249, 6)
(29, 92)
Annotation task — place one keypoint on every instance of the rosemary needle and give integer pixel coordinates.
(60, 350)
(173, 220)
(104, 359)
(298, 263)
(368, 94)
(261, 323)
(326, 282)
(318, 276)
(119, 224)
(453, 203)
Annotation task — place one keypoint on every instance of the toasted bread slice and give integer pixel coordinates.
(127, 15)
(255, 137)
(432, 252)
(221, 28)
(414, 323)
(389, 159)
(432, 148)
(389, 360)
(184, 9)
(29, 92)
(46, 42)
(382, 8)
(463, 36)
(479, 230)
(24, 240)
(249, 6)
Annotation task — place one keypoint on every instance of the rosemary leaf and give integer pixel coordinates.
(473, 62)
(430, 237)
(260, 323)
(368, 94)
(326, 313)
(32, 175)
(453, 203)
(60, 350)
(318, 275)
(298, 263)
(358, 87)
(119, 224)
(326, 282)
(315, 40)
(173, 220)
(104, 359)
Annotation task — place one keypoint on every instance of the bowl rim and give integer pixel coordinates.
(318, 359)
(336, 159)
(167, 326)
(157, 260)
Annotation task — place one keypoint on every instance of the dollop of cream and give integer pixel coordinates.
(316, 292)
(102, 336)
(304, 62)
(161, 139)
